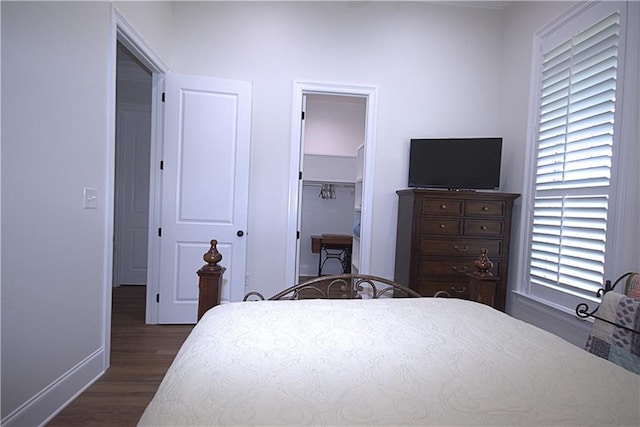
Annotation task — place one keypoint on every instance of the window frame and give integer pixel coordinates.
(622, 211)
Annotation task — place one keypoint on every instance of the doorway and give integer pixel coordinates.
(132, 169)
(334, 129)
(167, 119)
(146, 65)
(363, 191)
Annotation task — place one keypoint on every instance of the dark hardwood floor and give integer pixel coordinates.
(140, 356)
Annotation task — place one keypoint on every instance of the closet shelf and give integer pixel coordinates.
(317, 183)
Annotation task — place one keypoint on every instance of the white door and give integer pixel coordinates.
(300, 188)
(132, 193)
(205, 186)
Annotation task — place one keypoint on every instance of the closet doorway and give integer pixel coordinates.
(334, 129)
(332, 147)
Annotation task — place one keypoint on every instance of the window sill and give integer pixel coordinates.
(551, 317)
(533, 300)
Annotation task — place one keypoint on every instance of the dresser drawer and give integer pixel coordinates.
(442, 207)
(481, 227)
(485, 208)
(460, 247)
(430, 267)
(454, 289)
(452, 267)
(442, 226)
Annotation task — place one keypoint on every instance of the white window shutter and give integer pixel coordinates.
(574, 159)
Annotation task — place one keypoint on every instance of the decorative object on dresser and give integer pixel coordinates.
(482, 282)
(440, 234)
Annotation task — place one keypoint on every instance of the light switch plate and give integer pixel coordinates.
(90, 198)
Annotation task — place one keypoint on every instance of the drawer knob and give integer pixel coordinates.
(484, 227)
(443, 206)
(465, 248)
(459, 269)
(485, 208)
(443, 226)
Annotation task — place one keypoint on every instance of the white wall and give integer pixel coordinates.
(436, 67)
(334, 125)
(57, 138)
(56, 123)
(152, 21)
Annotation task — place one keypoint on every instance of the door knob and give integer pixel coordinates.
(240, 233)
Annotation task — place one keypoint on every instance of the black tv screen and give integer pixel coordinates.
(455, 163)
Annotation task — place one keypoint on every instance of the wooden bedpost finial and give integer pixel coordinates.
(212, 257)
(210, 282)
(483, 265)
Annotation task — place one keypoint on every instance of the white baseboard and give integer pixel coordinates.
(47, 403)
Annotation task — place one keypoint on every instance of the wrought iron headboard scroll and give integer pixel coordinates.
(582, 309)
(341, 286)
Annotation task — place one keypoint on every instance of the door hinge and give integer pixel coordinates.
(161, 165)
(158, 298)
(300, 175)
(303, 115)
(297, 235)
(163, 94)
(159, 231)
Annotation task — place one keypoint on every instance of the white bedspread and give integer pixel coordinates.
(420, 361)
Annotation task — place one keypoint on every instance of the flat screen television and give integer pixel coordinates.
(455, 163)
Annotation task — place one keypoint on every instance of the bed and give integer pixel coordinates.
(364, 359)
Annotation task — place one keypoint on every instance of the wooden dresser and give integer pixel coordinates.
(441, 233)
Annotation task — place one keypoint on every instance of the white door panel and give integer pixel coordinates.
(134, 136)
(300, 189)
(205, 188)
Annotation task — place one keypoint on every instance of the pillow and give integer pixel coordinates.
(632, 286)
